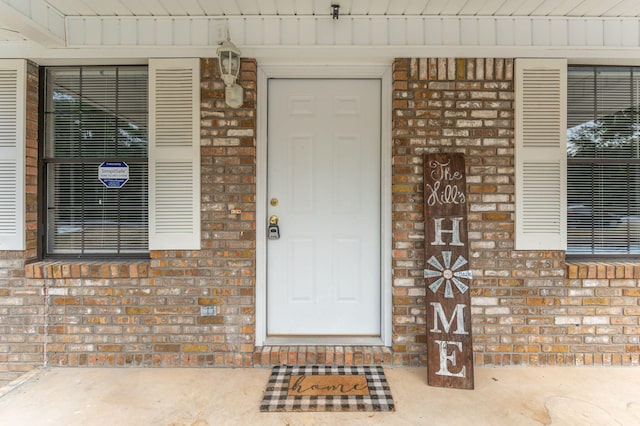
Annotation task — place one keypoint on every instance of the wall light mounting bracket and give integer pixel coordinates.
(335, 11)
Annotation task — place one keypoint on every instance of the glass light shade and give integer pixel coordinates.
(229, 62)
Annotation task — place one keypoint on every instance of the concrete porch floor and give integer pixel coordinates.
(199, 397)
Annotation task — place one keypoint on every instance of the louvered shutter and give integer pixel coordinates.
(174, 154)
(13, 96)
(541, 155)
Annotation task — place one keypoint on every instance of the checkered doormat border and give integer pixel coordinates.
(276, 397)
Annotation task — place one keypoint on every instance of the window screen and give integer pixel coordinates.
(603, 150)
(95, 115)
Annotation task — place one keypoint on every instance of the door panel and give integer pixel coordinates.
(323, 274)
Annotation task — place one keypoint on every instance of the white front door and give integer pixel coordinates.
(323, 274)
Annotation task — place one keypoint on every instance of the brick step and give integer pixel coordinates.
(264, 356)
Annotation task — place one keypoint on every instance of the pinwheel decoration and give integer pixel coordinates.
(449, 274)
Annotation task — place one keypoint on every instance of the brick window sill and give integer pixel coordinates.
(87, 269)
(603, 270)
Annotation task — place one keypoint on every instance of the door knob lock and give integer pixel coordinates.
(273, 231)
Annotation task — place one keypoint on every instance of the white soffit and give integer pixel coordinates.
(576, 8)
(36, 20)
(98, 29)
(388, 31)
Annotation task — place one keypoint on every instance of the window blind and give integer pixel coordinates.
(96, 115)
(603, 183)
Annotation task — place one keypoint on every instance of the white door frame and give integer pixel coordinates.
(378, 71)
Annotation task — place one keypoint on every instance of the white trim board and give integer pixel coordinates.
(96, 39)
(265, 72)
(520, 31)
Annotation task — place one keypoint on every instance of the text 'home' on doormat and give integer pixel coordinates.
(327, 388)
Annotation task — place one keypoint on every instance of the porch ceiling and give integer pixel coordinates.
(57, 29)
(577, 8)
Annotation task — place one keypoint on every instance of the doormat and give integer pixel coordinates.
(327, 388)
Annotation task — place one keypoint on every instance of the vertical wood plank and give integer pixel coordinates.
(541, 32)
(128, 32)
(325, 32)
(469, 31)
(271, 31)
(595, 36)
(111, 32)
(379, 31)
(39, 12)
(577, 32)
(93, 33)
(289, 32)
(146, 32)
(504, 32)
(236, 29)
(199, 32)
(522, 31)
(451, 32)
(307, 31)
(164, 32)
(486, 32)
(181, 32)
(559, 34)
(612, 33)
(433, 31)
(343, 31)
(447, 273)
(630, 33)
(397, 31)
(415, 31)
(75, 29)
(362, 32)
(254, 31)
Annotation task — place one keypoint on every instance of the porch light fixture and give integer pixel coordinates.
(229, 63)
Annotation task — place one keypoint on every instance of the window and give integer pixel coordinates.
(94, 115)
(603, 160)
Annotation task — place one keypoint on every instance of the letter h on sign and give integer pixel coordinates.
(447, 273)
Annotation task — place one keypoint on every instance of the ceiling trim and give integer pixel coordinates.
(360, 38)
(355, 31)
(36, 20)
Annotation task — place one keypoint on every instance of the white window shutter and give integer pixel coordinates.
(541, 154)
(13, 95)
(174, 154)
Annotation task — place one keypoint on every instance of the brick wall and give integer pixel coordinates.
(602, 319)
(99, 313)
(524, 310)
(148, 313)
(466, 105)
(21, 303)
(528, 308)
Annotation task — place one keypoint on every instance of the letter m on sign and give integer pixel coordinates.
(447, 273)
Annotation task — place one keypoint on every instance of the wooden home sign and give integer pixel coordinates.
(447, 273)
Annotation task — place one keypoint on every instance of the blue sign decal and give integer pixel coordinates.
(113, 174)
